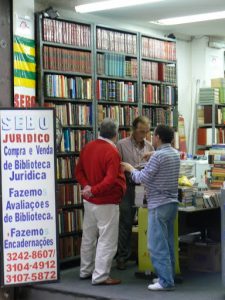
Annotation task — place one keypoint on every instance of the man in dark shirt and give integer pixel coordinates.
(132, 150)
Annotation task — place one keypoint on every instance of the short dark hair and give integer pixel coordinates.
(142, 120)
(165, 133)
(108, 128)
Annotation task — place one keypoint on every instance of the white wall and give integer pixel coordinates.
(184, 84)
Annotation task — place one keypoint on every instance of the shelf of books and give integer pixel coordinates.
(117, 76)
(66, 83)
(210, 119)
(158, 80)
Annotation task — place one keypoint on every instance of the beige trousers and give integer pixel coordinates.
(99, 240)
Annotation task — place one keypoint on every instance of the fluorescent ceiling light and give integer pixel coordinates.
(110, 4)
(191, 19)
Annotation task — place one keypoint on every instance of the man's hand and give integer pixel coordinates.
(127, 167)
(86, 192)
(147, 155)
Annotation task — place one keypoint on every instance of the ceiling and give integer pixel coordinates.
(140, 15)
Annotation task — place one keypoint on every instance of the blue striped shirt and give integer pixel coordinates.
(160, 176)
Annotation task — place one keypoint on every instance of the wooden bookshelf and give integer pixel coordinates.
(65, 82)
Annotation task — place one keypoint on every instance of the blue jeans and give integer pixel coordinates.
(161, 242)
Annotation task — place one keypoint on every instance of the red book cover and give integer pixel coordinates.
(201, 136)
(161, 71)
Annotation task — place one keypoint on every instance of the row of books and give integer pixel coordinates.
(66, 60)
(70, 221)
(167, 72)
(159, 94)
(59, 31)
(123, 114)
(73, 114)
(117, 41)
(68, 87)
(210, 198)
(65, 167)
(159, 115)
(68, 194)
(123, 133)
(62, 32)
(205, 136)
(153, 48)
(114, 90)
(158, 72)
(114, 64)
(69, 246)
(204, 115)
(75, 140)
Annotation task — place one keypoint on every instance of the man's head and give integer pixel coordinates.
(141, 127)
(109, 129)
(162, 135)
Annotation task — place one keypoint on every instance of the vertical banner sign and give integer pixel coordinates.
(24, 72)
(29, 243)
(24, 54)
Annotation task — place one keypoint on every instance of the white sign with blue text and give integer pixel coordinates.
(29, 247)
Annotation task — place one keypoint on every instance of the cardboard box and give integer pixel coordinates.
(204, 257)
(217, 82)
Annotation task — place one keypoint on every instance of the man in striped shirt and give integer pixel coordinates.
(160, 178)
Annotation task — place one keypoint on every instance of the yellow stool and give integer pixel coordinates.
(144, 259)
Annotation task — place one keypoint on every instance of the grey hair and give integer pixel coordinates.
(108, 128)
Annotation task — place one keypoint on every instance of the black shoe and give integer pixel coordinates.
(121, 265)
(86, 277)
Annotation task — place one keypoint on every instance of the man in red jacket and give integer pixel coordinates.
(103, 182)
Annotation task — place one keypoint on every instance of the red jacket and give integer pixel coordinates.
(99, 167)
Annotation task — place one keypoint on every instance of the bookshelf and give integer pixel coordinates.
(158, 80)
(65, 82)
(88, 72)
(117, 84)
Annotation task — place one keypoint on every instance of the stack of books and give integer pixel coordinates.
(217, 162)
(185, 196)
(209, 96)
(187, 168)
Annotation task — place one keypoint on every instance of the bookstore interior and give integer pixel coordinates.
(78, 67)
